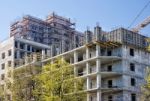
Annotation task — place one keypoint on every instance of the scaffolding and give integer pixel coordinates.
(55, 30)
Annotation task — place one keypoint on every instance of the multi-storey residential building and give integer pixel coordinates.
(12, 55)
(112, 65)
(55, 30)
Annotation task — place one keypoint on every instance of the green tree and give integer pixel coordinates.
(1, 92)
(57, 82)
(23, 82)
(146, 88)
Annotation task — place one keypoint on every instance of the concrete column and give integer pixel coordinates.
(48, 53)
(98, 50)
(25, 47)
(51, 51)
(88, 83)
(98, 65)
(98, 69)
(18, 54)
(87, 68)
(75, 56)
(99, 96)
(30, 48)
(98, 79)
(43, 54)
(87, 53)
(88, 97)
(63, 46)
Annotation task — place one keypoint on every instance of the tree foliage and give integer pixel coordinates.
(53, 82)
(146, 88)
(1, 93)
(57, 82)
(23, 83)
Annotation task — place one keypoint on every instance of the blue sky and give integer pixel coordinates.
(109, 13)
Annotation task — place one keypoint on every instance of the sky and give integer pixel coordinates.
(110, 14)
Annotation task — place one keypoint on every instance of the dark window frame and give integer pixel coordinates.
(132, 67)
(133, 82)
(133, 97)
(110, 98)
(132, 52)
(110, 83)
(9, 52)
(3, 66)
(109, 68)
(2, 76)
(3, 56)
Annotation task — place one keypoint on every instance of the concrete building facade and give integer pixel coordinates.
(112, 70)
(14, 53)
(112, 64)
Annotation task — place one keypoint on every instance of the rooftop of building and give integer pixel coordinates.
(9, 41)
(48, 19)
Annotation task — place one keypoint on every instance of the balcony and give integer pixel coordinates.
(111, 52)
(93, 83)
(106, 74)
(92, 69)
(110, 88)
(81, 57)
(92, 54)
(81, 71)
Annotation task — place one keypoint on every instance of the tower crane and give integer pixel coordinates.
(141, 25)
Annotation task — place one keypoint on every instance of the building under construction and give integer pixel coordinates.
(112, 64)
(57, 31)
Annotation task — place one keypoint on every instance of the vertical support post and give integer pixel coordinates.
(26, 57)
(88, 78)
(98, 77)
(31, 48)
(88, 83)
(88, 97)
(52, 50)
(43, 54)
(48, 53)
(87, 53)
(18, 54)
(87, 68)
(63, 46)
(98, 50)
(99, 96)
(25, 47)
(75, 57)
(98, 67)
